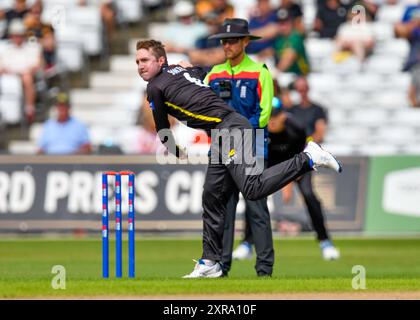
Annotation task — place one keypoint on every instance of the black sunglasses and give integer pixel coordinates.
(230, 41)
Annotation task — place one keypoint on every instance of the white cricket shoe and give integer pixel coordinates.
(321, 157)
(201, 270)
(329, 252)
(243, 252)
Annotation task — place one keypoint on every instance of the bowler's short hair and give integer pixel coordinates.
(158, 49)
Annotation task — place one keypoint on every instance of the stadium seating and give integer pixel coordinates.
(88, 20)
(411, 149)
(242, 8)
(377, 149)
(11, 98)
(340, 148)
(386, 64)
(347, 135)
(131, 10)
(369, 105)
(23, 147)
(395, 134)
(70, 50)
(408, 117)
(390, 13)
(393, 48)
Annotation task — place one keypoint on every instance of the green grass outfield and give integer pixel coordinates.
(392, 265)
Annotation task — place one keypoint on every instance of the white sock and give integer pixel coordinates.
(208, 262)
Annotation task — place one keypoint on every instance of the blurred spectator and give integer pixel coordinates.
(154, 5)
(285, 98)
(290, 47)
(18, 11)
(287, 137)
(63, 134)
(264, 15)
(109, 17)
(211, 21)
(24, 59)
(356, 37)
(208, 52)
(330, 15)
(409, 28)
(221, 7)
(109, 11)
(180, 35)
(414, 90)
(314, 119)
(44, 33)
(294, 10)
(371, 7)
(313, 115)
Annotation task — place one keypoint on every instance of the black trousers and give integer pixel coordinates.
(226, 173)
(313, 205)
(258, 221)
